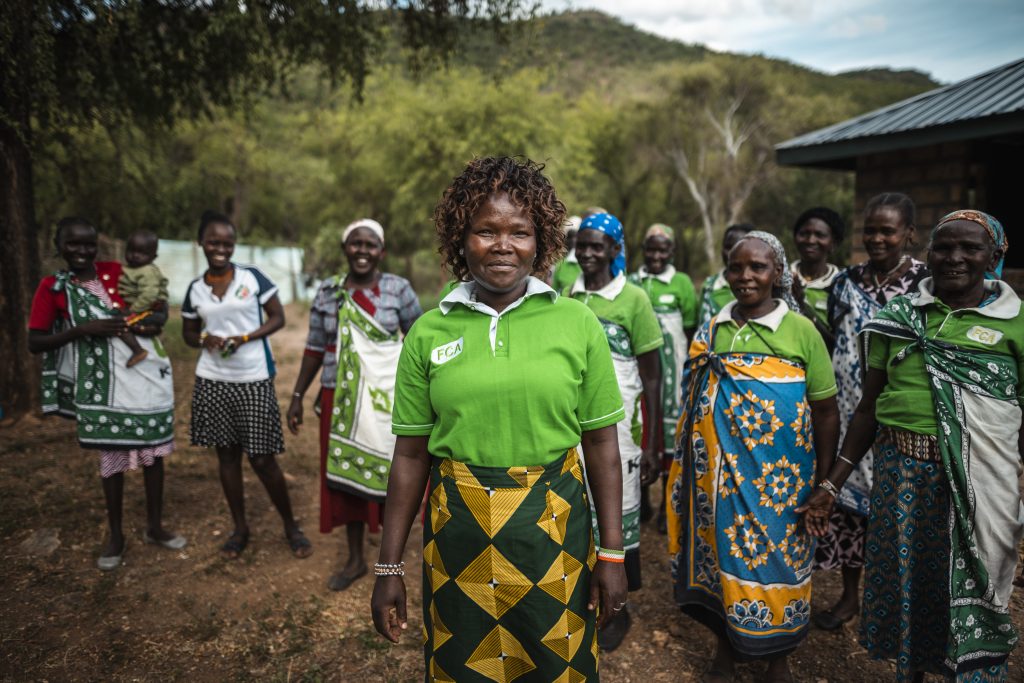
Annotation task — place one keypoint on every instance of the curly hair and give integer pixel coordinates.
(525, 184)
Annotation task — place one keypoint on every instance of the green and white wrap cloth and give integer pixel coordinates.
(361, 443)
(975, 398)
(114, 406)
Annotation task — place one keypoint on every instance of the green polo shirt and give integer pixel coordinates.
(816, 292)
(509, 390)
(906, 401)
(669, 291)
(565, 274)
(785, 334)
(629, 321)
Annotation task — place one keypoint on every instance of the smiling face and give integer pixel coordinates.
(500, 245)
(751, 272)
(958, 257)
(218, 245)
(814, 241)
(363, 250)
(78, 246)
(595, 251)
(885, 236)
(657, 254)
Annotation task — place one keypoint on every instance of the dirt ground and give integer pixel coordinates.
(189, 615)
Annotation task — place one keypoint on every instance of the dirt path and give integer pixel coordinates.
(191, 616)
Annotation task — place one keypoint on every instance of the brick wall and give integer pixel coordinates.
(937, 178)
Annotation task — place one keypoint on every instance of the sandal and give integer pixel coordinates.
(233, 547)
(300, 545)
(828, 621)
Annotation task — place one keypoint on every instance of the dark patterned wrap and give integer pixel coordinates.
(507, 560)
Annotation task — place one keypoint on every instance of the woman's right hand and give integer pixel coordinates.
(388, 607)
(608, 589)
(212, 342)
(102, 327)
(295, 415)
(817, 511)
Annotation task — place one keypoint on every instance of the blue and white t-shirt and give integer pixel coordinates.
(239, 312)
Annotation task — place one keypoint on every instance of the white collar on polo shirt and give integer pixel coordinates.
(464, 294)
(771, 320)
(1005, 307)
(609, 291)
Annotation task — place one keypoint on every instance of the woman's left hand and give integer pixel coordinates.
(817, 510)
(607, 589)
(650, 467)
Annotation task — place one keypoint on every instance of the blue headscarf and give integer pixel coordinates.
(611, 226)
(993, 227)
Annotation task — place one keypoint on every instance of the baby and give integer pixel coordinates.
(142, 286)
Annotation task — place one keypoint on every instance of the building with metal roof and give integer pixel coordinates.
(958, 146)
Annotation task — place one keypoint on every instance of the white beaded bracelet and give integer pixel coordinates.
(385, 569)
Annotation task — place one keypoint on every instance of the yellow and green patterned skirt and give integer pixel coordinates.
(507, 558)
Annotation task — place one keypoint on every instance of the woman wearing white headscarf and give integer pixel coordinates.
(354, 325)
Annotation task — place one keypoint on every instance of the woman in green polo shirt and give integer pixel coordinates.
(675, 304)
(760, 425)
(495, 389)
(715, 292)
(817, 232)
(941, 411)
(635, 339)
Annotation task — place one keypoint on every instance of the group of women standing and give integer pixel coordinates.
(530, 421)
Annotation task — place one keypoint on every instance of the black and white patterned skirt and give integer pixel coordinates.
(242, 414)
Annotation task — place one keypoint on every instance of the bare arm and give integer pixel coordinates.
(649, 365)
(825, 420)
(39, 341)
(604, 472)
(410, 469)
(307, 373)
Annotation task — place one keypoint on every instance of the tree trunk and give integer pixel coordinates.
(19, 272)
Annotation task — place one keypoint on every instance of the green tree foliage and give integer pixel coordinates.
(73, 64)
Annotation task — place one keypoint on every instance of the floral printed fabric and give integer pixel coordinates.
(981, 632)
(745, 462)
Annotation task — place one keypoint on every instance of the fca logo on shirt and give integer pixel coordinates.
(444, 353)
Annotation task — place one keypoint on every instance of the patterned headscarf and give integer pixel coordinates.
(368, 223)
(786, 284)
(611, 226)
(660, 230)
(993, 227)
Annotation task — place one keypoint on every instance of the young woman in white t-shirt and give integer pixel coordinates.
(228, 313)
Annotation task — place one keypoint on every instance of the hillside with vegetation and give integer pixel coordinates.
(649, 128)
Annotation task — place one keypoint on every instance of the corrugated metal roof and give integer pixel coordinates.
(947, 113)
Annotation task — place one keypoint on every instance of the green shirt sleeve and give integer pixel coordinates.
(600, 402)
(687, 300)
(878, 351)
(645, 334)
(821, 377)
(413, 414)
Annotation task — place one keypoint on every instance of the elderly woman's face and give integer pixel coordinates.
(751, 272)
(657, 254)
(78, 246)
(363, 251)
(959, 255)
(500, 244)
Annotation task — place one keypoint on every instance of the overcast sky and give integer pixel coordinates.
(949, 39)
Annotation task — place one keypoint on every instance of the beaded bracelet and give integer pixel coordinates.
(385, 569)
(609, 555)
